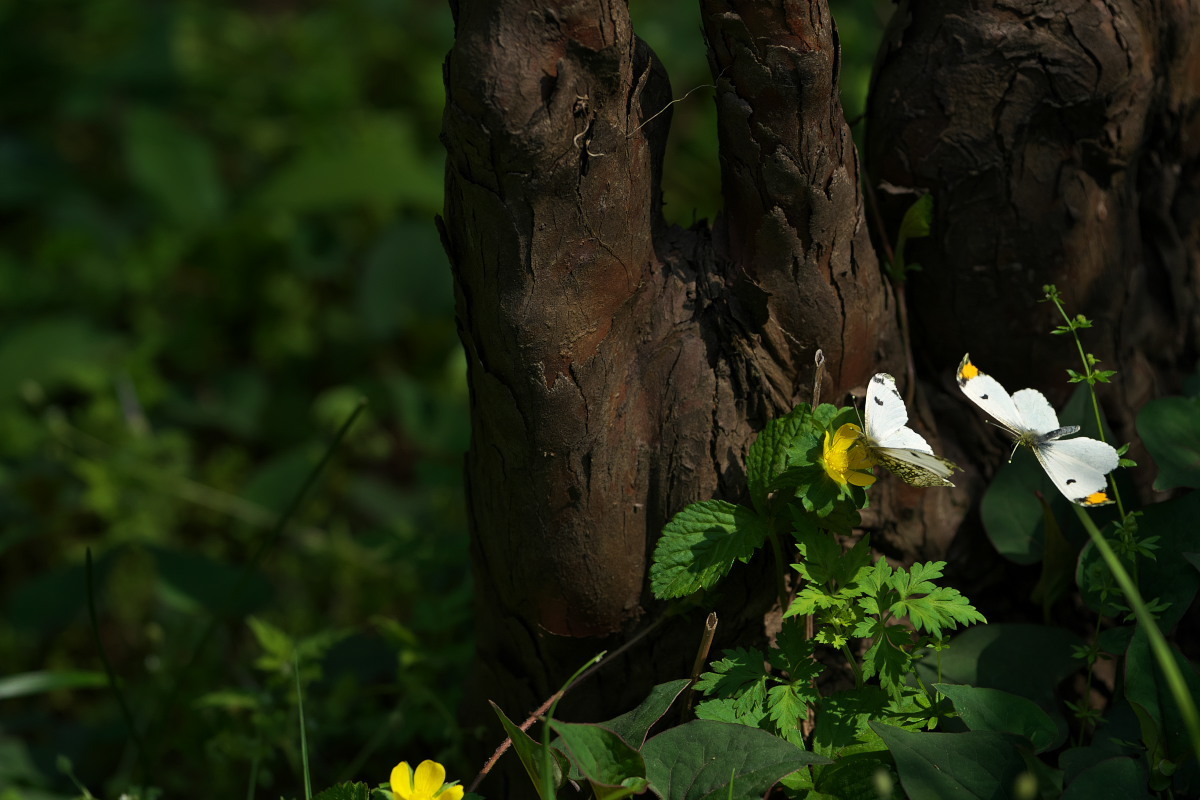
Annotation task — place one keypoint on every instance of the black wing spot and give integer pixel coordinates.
(983, 397)
(1071, 480)
(878, 401)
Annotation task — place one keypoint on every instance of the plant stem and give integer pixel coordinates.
(1162, 651)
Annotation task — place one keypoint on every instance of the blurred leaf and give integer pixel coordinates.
(1170, 429)
(192, 581)
(996, 656)
(994, 710)
(405, 279)
(52, 600)
(370, 160)
(174, 166)
(1164, 730)
(918, 219)
(974, 764)
(27, 683)
(1120, 778)
(1169, 577)
(57, 350)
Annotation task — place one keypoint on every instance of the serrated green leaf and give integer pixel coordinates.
(768, 454)
(346, 791)
(706, 760)
(725, 709)
(734, 674)
(787, 707)
(700, 545)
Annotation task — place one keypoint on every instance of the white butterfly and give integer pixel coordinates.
(1076, 466)
(899, 448)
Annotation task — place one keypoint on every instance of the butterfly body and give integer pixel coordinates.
(1076, 467)
(900, 449)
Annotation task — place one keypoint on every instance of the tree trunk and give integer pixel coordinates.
(619, 368)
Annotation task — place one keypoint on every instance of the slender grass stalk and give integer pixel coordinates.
(113, 683)
(1158, 643)
(1089, 373)
(303, 732)
(268, 542)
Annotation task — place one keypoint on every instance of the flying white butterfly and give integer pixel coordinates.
(899, 448)
(1076, 466)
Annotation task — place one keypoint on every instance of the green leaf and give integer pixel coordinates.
(705, 760)
(993, 710)
(632, 726)
(174, 166)
(27, 683)
(997, 656)
(740, 675)
(1119, 778)
(1170, 429)
(369, 159)
(1170, 576)
(346, 791)
(190, 580)
(532, 754)
(727, 709)
(856, 776)
(601, 755)
(700, 545)
(842, 721)
(1148, 692)
(768, 454)
(934, 766)
(918, 219)
(787, 707)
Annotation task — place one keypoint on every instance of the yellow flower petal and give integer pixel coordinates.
(402, 781)
(429, 777)
(451, 793)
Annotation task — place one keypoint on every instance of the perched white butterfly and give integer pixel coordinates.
(1076, 466)
(899, 448)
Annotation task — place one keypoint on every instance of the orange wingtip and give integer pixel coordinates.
(1095, 499)
(967, 370)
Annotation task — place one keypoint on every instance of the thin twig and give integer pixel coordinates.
(710, 630)
(819, 378)
(544, 707)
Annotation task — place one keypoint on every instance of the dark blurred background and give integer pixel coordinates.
(216, 235)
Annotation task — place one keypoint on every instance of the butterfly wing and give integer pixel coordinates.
(987, 393)
(1038, 415)
(1077, 468)
(916, 467)
(898, 447)
(886, 417)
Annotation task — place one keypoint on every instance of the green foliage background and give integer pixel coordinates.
(216, 236)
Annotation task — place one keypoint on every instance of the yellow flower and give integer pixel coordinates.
(427, 782)
(845, 458)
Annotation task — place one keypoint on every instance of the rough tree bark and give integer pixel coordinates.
(1062, 142)
(620, 367)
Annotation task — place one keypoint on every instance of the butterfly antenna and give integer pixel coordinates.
(819, 378)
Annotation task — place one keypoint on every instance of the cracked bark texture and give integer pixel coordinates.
(1061, 141)
(619, 368)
